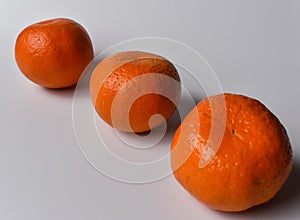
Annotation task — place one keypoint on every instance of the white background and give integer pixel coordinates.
(253, 47)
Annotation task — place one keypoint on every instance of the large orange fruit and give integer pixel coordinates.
(252, 163)
(54, 53)
(128, 88)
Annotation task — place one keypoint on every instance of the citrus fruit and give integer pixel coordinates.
(252, 163)
(130, 89)
(53, 53)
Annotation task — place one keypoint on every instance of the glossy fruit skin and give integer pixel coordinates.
(53, 53)
(251, 165)
(142, 71)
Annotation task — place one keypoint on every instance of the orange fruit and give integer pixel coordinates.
(53, 53)
(128, 88)
(252, 163)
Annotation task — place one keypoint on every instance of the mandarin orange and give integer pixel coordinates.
(249, 167)
(53, 53)
(128, 88)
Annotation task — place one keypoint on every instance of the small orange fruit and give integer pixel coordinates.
(251, 164)
(54, 53)
(128, 88)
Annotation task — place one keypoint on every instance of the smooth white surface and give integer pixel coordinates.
(252, 45)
